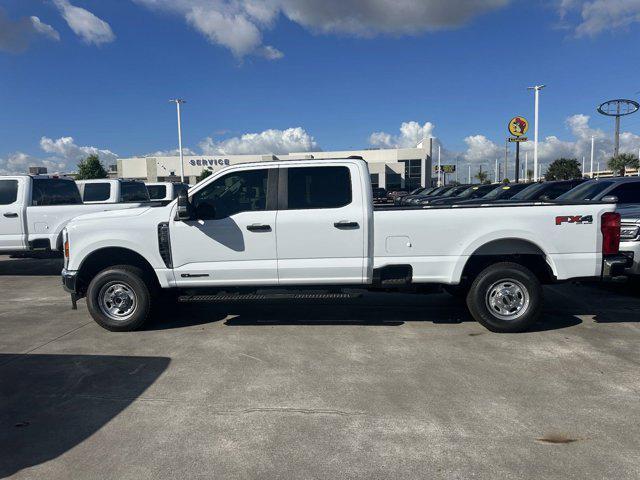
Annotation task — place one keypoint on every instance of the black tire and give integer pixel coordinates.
(135, 284)
(505, 298)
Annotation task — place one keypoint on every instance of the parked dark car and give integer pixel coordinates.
(503, 192)
(544, 191)
(451, 193)
(429, 192)
(626, 189)
(470, 193)
(379, 195)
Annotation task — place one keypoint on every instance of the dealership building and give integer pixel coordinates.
(390, 168)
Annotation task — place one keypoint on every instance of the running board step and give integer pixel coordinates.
(243, 297)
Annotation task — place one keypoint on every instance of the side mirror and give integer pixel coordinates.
(609, 199)
(183, 213)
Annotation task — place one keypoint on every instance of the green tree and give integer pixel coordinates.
(563, 169)
(506, 180)
(482, 176)
(622, 162)
(205, 173)
(90, 168)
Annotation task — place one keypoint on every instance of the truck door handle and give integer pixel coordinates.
(10, 215)
(346, 225)
(258, 227)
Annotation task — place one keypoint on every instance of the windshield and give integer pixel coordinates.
(530, 192)
(476, 191)
(436, 191)
(505, 192)
(586, 191)
(455, 191)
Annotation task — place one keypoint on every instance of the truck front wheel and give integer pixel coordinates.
(119, 298)
(505, 297)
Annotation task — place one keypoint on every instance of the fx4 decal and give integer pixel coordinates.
(581, 219)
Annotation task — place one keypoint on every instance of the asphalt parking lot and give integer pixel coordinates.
(386, 386)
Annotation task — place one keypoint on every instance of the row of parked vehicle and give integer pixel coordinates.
(625, 191)
(35, 208)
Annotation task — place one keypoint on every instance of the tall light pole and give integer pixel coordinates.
(536, 90)
(593, 143)
(526, 167)
(178, 102)
(439, 168)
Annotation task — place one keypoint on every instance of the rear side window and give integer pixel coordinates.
(134, 192)
(54, 191)
(96, 192)
(627, 192)
(157, 192)
(318, 187)
(8, 191)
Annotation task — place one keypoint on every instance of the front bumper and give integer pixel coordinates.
(632, 250)
(69, 281)
(615, 265)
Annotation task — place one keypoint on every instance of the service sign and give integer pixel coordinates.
(518, 126)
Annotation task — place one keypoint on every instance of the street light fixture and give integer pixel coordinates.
(178, 102)
(536, 90)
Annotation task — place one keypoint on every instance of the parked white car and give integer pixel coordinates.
(310, 226)
(165, 191)
(630, 237)
(34, 209)
(118, 190)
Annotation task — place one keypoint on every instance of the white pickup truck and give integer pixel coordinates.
(308, 229)
(35, 208)
(113, 190)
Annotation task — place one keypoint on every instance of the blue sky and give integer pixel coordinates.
(96, 75)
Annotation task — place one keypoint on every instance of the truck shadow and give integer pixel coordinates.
(51, 403)
(31, 266)
(392, 311)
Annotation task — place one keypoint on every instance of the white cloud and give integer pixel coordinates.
(85, 24)
(597, 16)
(411, 133)
(66, 149)
(481, 150)
(269, 141)
(15, 36)
(238, 24)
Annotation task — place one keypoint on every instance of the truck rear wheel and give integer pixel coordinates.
(119, 298)
(506, 298)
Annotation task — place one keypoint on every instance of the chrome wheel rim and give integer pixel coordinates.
(117, 300)
(507, 299)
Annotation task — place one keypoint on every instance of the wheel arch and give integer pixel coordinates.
(105, 257)
(517, 250)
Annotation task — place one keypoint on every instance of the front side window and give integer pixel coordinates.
(627, 192)
(54, 191)
(585, 192)
(96, 192)
(318, 187)
(134, 192)
(157, 192)
(8, 191)
(232, 193)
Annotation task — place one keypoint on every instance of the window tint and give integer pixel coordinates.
(157, 192)
(586, 191)
(555, 190)
(134, 192)
(8, 191)
(233, 193)
(54, 191)
(96, 192)
(318, 187)
(529, 193)
(627, 192)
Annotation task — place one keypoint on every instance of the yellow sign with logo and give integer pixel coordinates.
(518, 126)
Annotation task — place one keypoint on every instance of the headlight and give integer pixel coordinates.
(629, 232)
